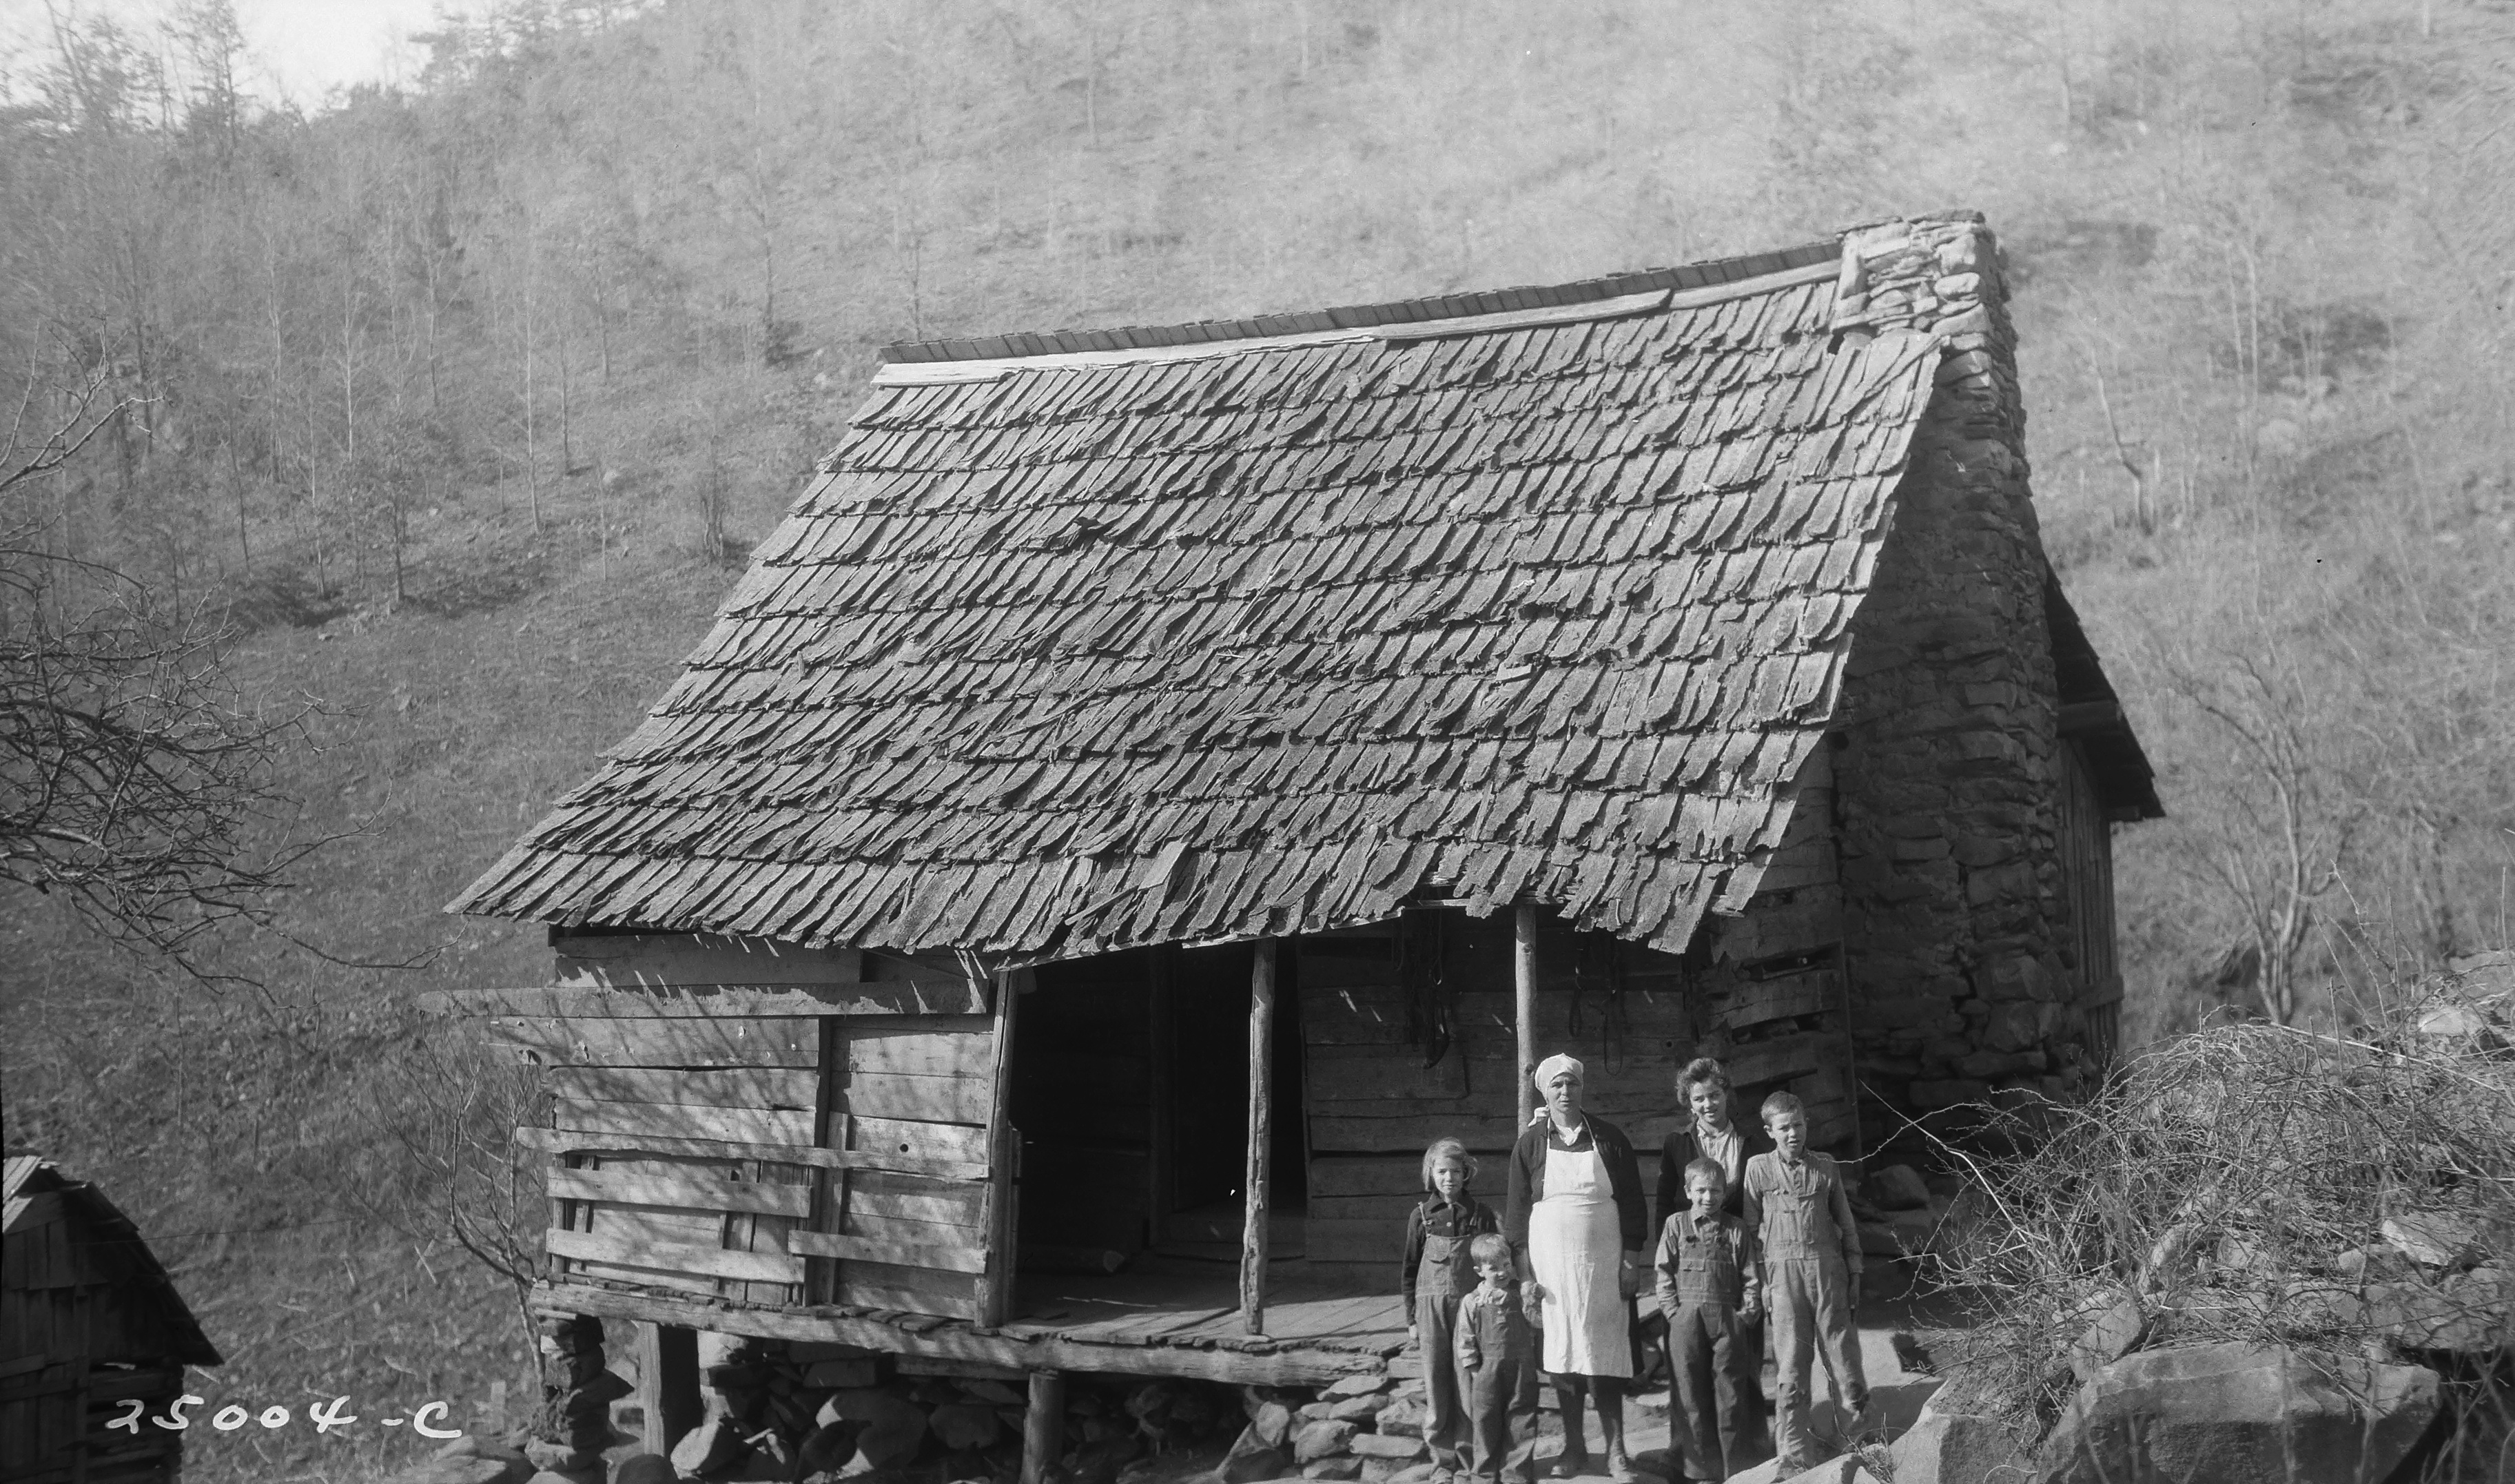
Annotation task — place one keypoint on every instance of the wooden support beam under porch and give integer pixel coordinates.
(1348, 1335)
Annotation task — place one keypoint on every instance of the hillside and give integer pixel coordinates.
(463, 403)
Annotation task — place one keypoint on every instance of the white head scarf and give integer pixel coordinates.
(1556, 1064)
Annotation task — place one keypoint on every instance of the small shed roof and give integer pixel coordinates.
(1080, 642)
(102, 1244)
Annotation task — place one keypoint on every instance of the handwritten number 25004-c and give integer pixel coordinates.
(325, 1416)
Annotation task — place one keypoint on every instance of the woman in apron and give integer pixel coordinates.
(1574, 1215)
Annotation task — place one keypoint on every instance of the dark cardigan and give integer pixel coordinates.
(1528, 1179)
(1677, 1150)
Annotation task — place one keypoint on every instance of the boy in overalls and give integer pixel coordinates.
(1496, 1359)
(1437, 1274)
(1709, 1280)
(1800, 1212)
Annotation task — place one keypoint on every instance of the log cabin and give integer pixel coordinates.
(92, 1334)
(1156, 780)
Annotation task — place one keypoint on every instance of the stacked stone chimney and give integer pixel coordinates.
(1946, 762)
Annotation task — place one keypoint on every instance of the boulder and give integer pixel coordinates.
(592, 1475)
(963, 1425)
(2109, 1336)
(1358, 1386)
(712, 1446)
(1401, 1418)
(1271, 1424)
(1394, 1472)
(1897, 1187)
(1357, 1409)
(644, 1468)
(996, 1393)
(830, 1446)
(1319, 1439)
(894, 1438)
(2439, 1238)
(1344, 1466)
(2241, 1414)
(1311, 1412)
(2472, 1313)
(1250, 1460)
(1381, 1445)
(841, 1373)
(1949, 1444)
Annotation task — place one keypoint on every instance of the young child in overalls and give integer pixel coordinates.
(1800, 1212)
(1497, 1358)
(1437, 1274)
(1709, 1280)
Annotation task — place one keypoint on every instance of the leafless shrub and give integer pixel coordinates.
(2257, 1184)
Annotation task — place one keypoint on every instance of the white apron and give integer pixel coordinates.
(1575, 1244)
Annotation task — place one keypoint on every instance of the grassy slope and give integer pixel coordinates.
(255, 1137)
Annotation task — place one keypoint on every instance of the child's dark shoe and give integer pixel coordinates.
(1570, 1465)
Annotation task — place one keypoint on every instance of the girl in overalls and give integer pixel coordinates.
(1436, 1275)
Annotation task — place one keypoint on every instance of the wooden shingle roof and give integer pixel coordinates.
(1063, 653)
(58, 1232)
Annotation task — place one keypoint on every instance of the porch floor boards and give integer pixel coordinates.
(1185, 1307)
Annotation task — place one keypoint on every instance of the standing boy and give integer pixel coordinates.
(1710, 1287)
(1800, 1212)
(1497, 1355)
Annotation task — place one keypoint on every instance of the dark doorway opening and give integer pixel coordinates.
(1207, 1067)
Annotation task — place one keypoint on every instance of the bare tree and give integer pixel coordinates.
(136, 778)
(2276, 839)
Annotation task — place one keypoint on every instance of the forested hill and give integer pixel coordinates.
(463, 399)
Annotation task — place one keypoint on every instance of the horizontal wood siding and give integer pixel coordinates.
(730, 1155)
(1374, 1104)
(917, 1090)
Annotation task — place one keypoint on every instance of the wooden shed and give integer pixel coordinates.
(1155, 780)
(89, 1323)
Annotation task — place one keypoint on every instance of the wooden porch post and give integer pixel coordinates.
(1261, 1126)
(1004, 1157)
(1523, 974)
(1044, 1425)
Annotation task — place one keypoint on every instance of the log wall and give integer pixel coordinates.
(1763, 992)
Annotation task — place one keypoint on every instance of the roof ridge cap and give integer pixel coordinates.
(1706, 273)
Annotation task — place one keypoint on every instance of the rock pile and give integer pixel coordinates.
(1365, 1427)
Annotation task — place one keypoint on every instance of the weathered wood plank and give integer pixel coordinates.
(913, 1289)
(934, 1048)
(945, 1258)
(579, 1141)
(698, 1192)
(672, 1257)
(786, 1042)
(1376, 1240)
(959, 1143)
(1803, 921)
(719, 1002)
(657, 960)
(1365, 1175)
(882, 1195)
(1755, 1002)
(1760, 1061)
(730, 1088)
(1339, 1073)
(1379, 1208)
(924, 1099)
(750, 1126)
